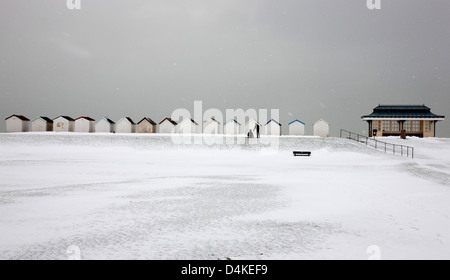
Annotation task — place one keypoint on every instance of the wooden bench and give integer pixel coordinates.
(302, 153)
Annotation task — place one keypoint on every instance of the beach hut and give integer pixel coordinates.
(126, 125)
(211, 126)
(41, 124)
(297, 128)
(251, 125)
(321, 128)
(146, 125)
(84, 124)
(188, 126)
(168, 126)
(63, 124)
(232, 127)
(17, 123)
(272, 128)
(105, 125)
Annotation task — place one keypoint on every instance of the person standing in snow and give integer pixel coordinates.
(256, 130)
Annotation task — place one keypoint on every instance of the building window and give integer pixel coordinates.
(415, 125)
(395, 126)
(428, 126)
(407, 126)
(375, 125)
(386, 126)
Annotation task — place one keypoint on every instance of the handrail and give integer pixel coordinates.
(377, 144)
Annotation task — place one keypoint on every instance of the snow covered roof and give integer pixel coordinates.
(129, 120)
(296, 121)
(65, 117)
(233, 120)
(190, 120)
(86, 118)
(148, 120)
(402, 112)
(45, 119)
(254, 121)
(19, 117)
(107, 120)
(212, 119)
(321, 120)
(169, 120)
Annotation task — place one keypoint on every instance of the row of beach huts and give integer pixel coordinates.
(19, 123)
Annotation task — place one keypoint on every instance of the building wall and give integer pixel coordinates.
(14, 124)
(104, 126)
(167, 127)
(211, 127)
(272, 129)
(297, 128)
(63, 125)
(85, 126)
(39, 125)
(321, 128)
(250, 125)
(187, 127)
(124, 126)
(232, 128)
(429, 133)
(146, 127)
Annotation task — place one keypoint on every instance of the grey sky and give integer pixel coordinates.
(330, 59)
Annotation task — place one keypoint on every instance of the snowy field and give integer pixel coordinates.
(143, 197)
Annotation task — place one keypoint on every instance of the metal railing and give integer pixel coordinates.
(396, 149)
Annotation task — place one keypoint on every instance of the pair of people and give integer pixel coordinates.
(250, 132)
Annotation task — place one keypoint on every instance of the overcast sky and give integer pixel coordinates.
(312, 59)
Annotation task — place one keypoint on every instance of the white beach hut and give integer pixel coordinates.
(297, 128)
(272, 128)
(41, 124)
(211, 126)
(126, 125)
(321, 128)
(168, 126)
(188, 126)
(63, 124)
(251, 125)
(105, 125)
(232, 127)
(84, 124)
(146, 125)
(17, 123)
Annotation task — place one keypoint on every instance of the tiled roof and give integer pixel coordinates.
(402, 111)
(19, 117)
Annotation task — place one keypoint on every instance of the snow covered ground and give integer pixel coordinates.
(143, 197)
